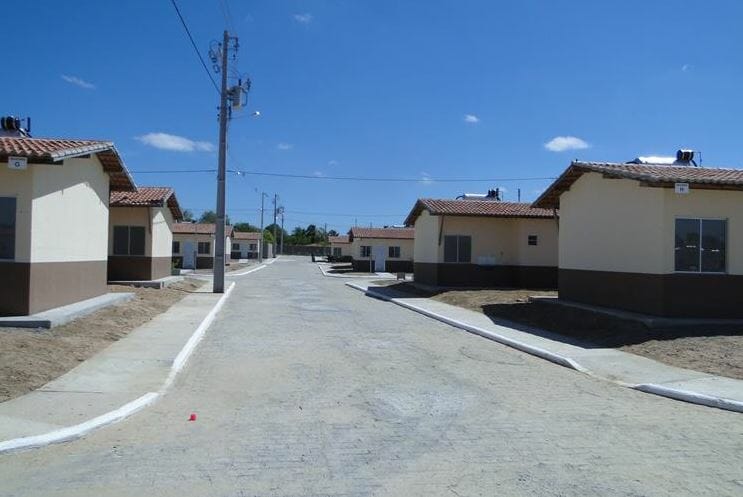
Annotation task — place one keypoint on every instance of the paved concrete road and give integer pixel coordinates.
(304, 387)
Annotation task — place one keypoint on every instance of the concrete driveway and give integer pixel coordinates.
(304, 387)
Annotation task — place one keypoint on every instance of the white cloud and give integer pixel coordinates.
(471, 118)
(318, 174)
(425, 179)
(176, 143)
(333, 163)
(686, 67)
(285, 146)
(74, 80)
(303, 18)
(563, 143)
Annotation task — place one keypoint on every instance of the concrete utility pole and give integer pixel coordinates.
(218, 286)
(281, 251)
(275, 239)
(260, 252)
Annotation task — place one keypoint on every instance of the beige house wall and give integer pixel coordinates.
(131, 216)
(427, 238)
(345, 248)
(406, 247)
(162, 234)
(18, 185)
(611, 225)
(195, 238)
(545, 253)
(499, 241)
(709, 204)
(70, 212)
(617, 225)
(157, 222)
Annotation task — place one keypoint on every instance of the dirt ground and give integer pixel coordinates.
(716, 350)
(31, 358)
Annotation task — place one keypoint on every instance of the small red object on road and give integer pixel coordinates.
(192, 417)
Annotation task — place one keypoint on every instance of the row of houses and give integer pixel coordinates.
(72, 219)
(656, 236)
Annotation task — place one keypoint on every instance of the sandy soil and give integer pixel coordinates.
(717, 350)
(31, 358)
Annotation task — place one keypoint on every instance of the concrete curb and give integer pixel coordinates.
(691, 397)
(79, 430)
(529, 349)
(262, 266)
(651, 388)
(350, 276)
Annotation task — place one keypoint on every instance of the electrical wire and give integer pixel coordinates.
(193, 44)
(351, 178)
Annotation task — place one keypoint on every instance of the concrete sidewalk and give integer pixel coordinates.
(126, 376)
(623, 368)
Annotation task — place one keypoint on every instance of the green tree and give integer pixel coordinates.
(211, 217)
(298, 236)
(188, 215)
(311, 233)
(268, 230)
(246, 227)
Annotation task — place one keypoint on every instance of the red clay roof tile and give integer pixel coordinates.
(649, 174)
(49, 150)
(148, 196)
(476, 208)
(393, 233)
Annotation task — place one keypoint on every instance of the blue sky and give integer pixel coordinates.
(381, 89)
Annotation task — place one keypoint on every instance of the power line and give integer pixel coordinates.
(193, 44)
(352, 178)
(334, 214)
(390, 180)
(179, 171)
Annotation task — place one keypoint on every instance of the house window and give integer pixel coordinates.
(129, 240)
(235, 246)
(7, 227)
(204, 248)
(176, 247)
(336, 251)
(700, 245)
(457, 248)
(533, 240)
(253, 247)
(394, 253)
(365, 251)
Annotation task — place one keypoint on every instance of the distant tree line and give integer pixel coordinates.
(299, 236)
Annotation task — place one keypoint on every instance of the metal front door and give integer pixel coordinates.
(189, 255)
(379, 254)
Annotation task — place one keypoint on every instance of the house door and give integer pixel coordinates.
(189, 255)
(379, 253)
